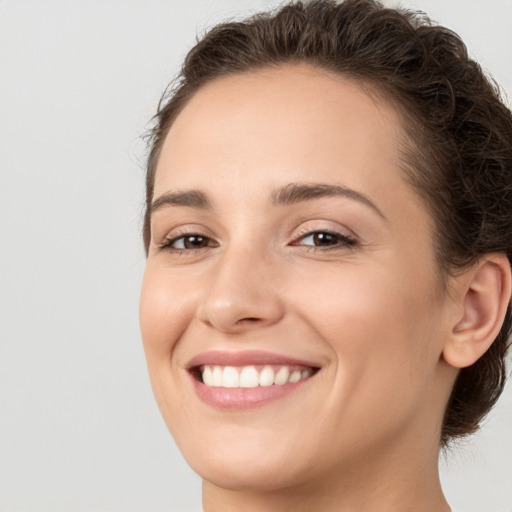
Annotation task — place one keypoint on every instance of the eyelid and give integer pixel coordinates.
(321, 225)
(171, 239)
(166, 242)
(345, 240)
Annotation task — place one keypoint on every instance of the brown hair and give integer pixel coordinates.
(459, 154)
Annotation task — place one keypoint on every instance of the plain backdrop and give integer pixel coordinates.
(79, 81)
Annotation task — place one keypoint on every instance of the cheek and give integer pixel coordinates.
(375, 319)
(165, 311)
(380, 329)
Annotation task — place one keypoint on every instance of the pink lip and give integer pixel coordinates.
(233, 399)
(245, 358)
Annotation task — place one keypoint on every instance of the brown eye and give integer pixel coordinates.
(193, 241)
(325, 239)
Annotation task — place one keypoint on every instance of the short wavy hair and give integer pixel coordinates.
(459, 149)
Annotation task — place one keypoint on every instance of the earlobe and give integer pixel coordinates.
(484, 297)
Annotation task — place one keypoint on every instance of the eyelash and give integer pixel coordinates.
(167, 243)
(344, 241)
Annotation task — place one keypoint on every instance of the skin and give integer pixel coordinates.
(363, 433)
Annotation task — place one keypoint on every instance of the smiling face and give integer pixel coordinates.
(285, 239)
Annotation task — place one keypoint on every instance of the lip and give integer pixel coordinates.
(237, 399)
(246, 358)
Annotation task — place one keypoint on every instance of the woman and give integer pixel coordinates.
(326, 300)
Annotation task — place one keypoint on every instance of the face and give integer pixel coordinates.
(291, 311)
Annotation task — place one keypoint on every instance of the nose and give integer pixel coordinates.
(242, 293)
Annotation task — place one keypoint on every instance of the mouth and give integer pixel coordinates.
(242, 380)
(250, 376)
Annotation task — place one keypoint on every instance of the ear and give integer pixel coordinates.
(483, 294)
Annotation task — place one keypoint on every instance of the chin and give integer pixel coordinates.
(244, 476)
(249, 465)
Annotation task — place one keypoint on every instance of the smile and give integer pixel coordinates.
(242, 380)
(252, 376)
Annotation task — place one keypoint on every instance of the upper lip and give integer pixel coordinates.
(246, 358)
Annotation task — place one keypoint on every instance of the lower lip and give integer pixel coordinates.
(244, 398)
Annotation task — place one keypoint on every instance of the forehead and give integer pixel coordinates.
(285, 124)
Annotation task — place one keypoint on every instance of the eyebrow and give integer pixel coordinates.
(190, 198)
(299, 192)
(292, 193)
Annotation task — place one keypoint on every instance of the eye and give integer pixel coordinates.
(187, 242)
(324, 240)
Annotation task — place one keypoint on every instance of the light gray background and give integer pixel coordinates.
(79, 429)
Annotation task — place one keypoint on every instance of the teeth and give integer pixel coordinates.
(208, 376)
(267, 376)
(306, 373)
(251, 377)
(282, 376)
(217, 376)
(295, 376)
(230, 378)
